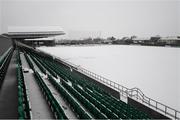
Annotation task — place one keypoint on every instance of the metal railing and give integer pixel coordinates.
(134, 93)
(139, 95)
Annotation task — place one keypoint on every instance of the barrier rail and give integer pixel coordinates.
(5, 54)
(139, 95)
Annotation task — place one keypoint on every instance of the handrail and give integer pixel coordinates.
(126, 92)
(5, 58)
(6, 53)
(140, 95)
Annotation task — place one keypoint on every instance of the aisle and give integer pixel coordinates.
(39, 106)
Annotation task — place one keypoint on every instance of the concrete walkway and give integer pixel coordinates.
(39, 106)
(9, 92)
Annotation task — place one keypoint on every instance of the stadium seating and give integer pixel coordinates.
(86, 102)
(56, 108)
(54, 105)
(76, 89)
(81, 113)
(23, 102)
(39, 64)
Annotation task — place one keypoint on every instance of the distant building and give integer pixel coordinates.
(39, 42)
(141, 40)
(106, 41)
(173, 41)
(34, 36)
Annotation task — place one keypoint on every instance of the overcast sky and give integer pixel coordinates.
(95, 17)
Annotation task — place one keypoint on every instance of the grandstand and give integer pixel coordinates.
(36, 85)
(31, 35)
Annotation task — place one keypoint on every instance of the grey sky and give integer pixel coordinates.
(97, 17)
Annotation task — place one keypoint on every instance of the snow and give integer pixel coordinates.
(155, 70)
